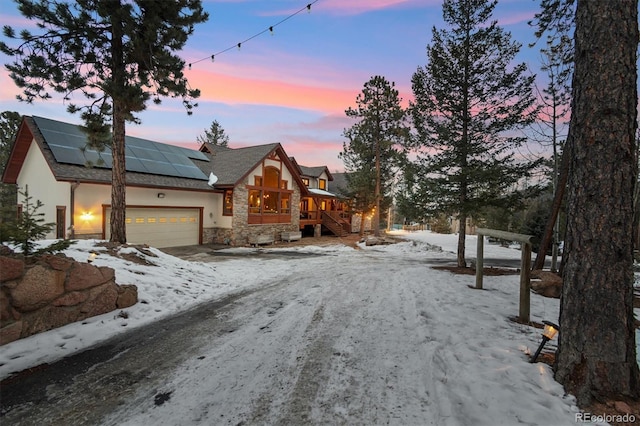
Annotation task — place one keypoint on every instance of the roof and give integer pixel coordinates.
(66, 166)
(340, 184)
(148, 163)
(231, 165)
(315, 172)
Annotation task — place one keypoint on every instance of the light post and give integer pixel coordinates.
(549, 332)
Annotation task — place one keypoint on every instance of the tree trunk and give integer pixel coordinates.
(462, 234)
(118, 169)
(376, 213)
(547, 237)
(596, 358)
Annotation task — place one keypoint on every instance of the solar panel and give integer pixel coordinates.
(68, 145)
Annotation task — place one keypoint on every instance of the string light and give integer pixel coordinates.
(270, 30)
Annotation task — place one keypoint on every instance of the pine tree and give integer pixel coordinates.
(9, 125)
(30, 227)
(374, 150)
(214, 135)
(469, 101)
(596, 357)
(118, 54)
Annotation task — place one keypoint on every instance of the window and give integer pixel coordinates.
(227, 205)
(270, 199)
(322, 184)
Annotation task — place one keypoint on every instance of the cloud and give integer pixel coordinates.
(219, 87)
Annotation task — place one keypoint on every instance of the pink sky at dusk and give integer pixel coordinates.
(292, 87)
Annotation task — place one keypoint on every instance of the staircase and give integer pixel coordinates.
(334, 223)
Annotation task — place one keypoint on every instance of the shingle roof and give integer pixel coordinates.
(74, 172)
(230, 165)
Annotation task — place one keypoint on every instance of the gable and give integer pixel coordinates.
(18, 153)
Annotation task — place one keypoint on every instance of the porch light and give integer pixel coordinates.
(549, 332)
(86, 216)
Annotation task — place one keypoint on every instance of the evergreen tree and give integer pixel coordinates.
(215, 135)
(118, 53)
(469, 100)
(9, 125)
(596, 357)
(30, 227)
(375, 148)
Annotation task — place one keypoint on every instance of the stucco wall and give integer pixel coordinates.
(38, 178)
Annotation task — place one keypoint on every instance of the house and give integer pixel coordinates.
(174, 196)
(318, 206)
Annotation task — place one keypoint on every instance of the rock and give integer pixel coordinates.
(546, 283)
(7, 313)
(83, 276)
(70, 299)
(100, 300)
(38, 287)
(10, 332)
(10, 269)
(58, 262)
(127, 296)
(47, 318)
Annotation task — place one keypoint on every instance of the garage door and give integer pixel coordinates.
(161, 227)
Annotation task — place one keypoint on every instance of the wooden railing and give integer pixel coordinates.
(334, 223)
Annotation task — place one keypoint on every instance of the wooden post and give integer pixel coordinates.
(479, 261)
(525, 283)
(525, 265)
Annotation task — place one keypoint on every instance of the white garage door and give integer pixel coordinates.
(161, 227)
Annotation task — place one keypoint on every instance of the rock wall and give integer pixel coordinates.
(54, 291)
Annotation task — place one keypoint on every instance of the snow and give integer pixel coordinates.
(374, 335)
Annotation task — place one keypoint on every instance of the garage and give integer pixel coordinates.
(161, 226)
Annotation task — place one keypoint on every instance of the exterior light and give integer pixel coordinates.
(161, 194)
(92, 256)
(549, 332)
(86, 216)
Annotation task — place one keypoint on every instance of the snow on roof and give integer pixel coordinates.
(321, 192)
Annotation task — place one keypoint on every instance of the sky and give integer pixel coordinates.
(294, 86)
(407, 344)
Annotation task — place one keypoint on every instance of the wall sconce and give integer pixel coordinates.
(86, 216)
(549, 332)
(161, 195)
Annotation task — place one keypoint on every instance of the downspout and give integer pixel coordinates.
(72, 203)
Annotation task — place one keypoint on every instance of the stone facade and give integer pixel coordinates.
(55, 291)
(241, 230)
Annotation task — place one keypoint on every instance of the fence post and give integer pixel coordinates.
(525, 283)
(479, 261)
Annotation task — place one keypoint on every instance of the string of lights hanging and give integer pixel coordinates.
(269, 30)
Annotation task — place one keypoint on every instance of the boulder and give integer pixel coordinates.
(546, 283)
(10, 332)
(38, 287)
(83, 276)
(72, 298)
(10, 269)
(100, 300)
(127, 296)
(58, 262)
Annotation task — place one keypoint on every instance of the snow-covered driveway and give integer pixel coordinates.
(353, 337)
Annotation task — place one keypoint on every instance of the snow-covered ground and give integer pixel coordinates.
(371, 336)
